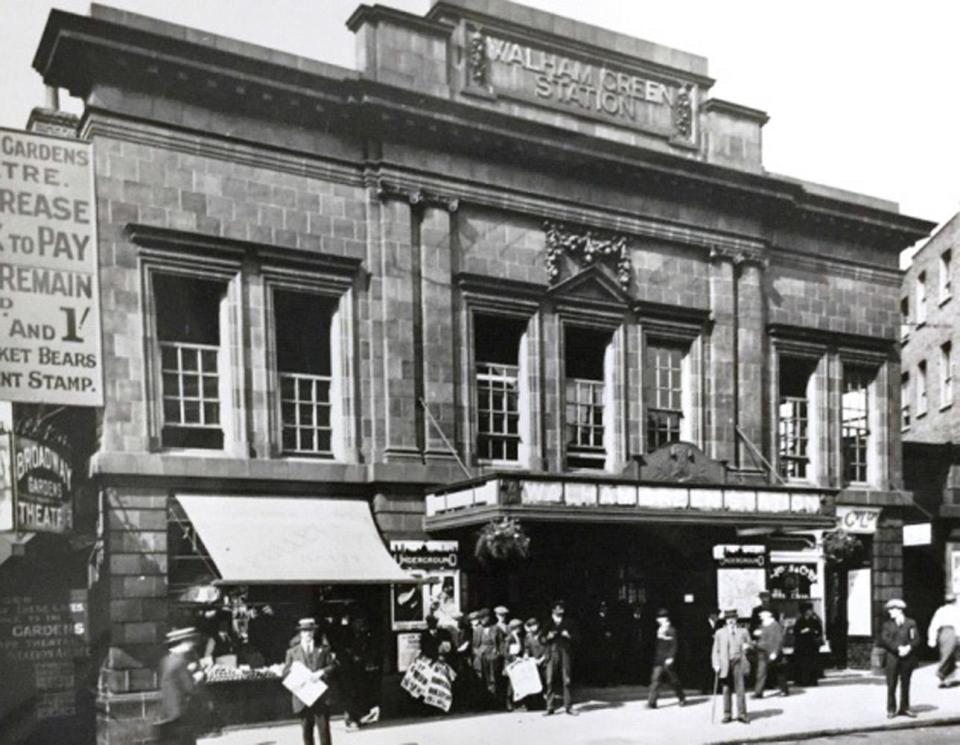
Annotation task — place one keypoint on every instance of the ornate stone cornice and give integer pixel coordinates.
(587, 246)
(415, 196)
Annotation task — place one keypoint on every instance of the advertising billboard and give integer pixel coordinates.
(50, 348)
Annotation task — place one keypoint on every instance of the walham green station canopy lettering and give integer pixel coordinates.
(49, 296)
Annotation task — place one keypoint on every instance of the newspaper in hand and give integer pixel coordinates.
(305, 685)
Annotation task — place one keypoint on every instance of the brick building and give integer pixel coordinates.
(512, 265)
(929, 422)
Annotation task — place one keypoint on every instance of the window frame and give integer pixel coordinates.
(338, 290)
(923, 392)
(677, 418)
(945, 291)
(667, 325)
(905, 401)
(946, 375)
(865, 434)
(513, 301)
(904, 318)
(814, 356)
(231, 374)
(612, 422)
(921, 302)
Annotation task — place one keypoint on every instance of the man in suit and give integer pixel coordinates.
(178, 679)
(943, 630)
(318, 659)
(770, 654)
(729, 659)
(900, 639)
(559, 637)
(665, 654)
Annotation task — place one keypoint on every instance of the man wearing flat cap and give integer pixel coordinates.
(729, 658)
(178, 680)
(943, 630)
(900, 639)
(317, 658)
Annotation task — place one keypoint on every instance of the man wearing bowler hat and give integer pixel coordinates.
(178, 679)
(317, 658)
(729, 658)
(900, 639)
(665, 654)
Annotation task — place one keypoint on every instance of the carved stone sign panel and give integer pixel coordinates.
(513, 69)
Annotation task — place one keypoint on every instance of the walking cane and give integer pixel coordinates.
(713, 705)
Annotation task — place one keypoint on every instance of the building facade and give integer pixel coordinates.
(510, 266)
(928, 421)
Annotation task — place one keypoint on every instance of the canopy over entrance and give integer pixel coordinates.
(282, 540)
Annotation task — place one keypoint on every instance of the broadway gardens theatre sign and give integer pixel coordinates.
(501, 68)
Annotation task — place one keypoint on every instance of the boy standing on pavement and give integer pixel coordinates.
(900, 639)
(770, 654)
(729, 658)
(535, 649)
(664, 656)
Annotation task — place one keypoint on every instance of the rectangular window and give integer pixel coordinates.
(855, 429)
(584, 353)
(904, 317)
(665, 405)
(946, 375)
(921, 388)
(945, 259)
(188, 333)
(497, 343)
(905, 401)
(302, 328)
(793, 420)
(921, 298)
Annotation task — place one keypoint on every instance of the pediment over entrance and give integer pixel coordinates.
(681, 462)
(594, 285)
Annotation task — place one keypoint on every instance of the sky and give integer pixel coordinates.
(861, 94)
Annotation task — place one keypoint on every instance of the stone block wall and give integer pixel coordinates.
(922, 342)
(833, 297)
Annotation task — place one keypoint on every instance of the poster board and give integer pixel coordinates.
(741, 575)
(408, 649)
(50, 300)
(739, 588)
(436, 564)
(859, 607)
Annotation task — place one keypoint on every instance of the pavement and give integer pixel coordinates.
(845, 701)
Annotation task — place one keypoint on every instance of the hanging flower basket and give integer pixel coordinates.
(502, 541)
(840, 547)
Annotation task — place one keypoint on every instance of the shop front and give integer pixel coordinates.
(245, 569)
